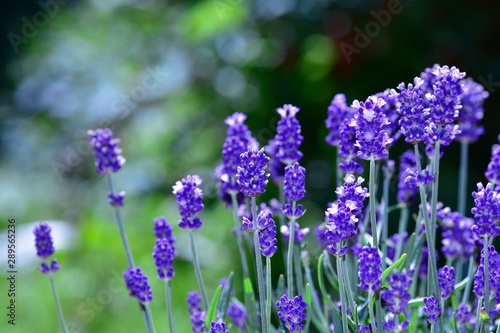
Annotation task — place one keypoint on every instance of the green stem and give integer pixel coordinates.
(260, 270)
(470, 275)
(348, 288)
(372, 202)
(370, 311)
(385, 218)
(341, 292)
(299, 277)
(486, 275)
(197, 270)
(289, 265)
(403, 221)
(478, 317)
(239, 236)
(149, 317)
(58, 303)
(462, 178)
(168, 299)
(269, 299)
(435, 187)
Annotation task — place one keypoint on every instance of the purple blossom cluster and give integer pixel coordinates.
(292, 312)
(294, 185)
(196, 314)
(407, 166)
(458, 239)
(189, 201)
(337, 112)
(397, 295)
(238, 314)
(446, 278)
(252, 175)
(486, 211)
(138, 285)
(370, 269)
(472, 111)
(431, 309)
(164, 249)
(105, 149)
(45, 247)
(493, 276)
(493, 170)
(266, 229)
(288, 137)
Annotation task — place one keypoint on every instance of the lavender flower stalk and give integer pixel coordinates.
(44, 249)
(109, 160)
(292, 311)
(163, 254)
(252, 179)
(190, 203)
(370, 276)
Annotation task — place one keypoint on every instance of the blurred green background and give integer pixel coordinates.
(163, 76)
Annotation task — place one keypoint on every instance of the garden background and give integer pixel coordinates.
(164, 76)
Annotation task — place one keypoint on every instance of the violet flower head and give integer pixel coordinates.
(196, 314)
(163, 254)
(390, 109)
(407, 161)
(218, 327)
(347, 146)
(299, 233)
(457, 237)
(43, 240)
(486, 211)
(336, 114)
(116, 199)
(397, 295)
(238, 314)
(414, 179)
(370, 269)
(494, 274)
(413, 111)
(446, 278)
(189, 195)
(288, 137)
(365, 328)
(463, 314)
(294, 185)
(352, 194)
(46, 268)
(292, 312)
(371, 137)
(237, 140)
(472, 111)
(431, 309)
(267, 234)
(163, 229)
(252, 176)
(138, 285)
(493, 170)
(108, 155)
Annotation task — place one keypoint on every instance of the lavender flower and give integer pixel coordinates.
(288, 138)
(163, 229)
(463, 314)
(414, 114)
(458, 239)
(320, 233)
(252, 176)
(446, 278)
(370, 269)
(267, 235)
(108, 155)
(292, 312)
(216, 327)
(407, 161)
(365, 329)
(295, 182)
(371, 138)
(197, 316)
(238, 314)
(414, 179)
(390, 110)
(347, 146)
(336, 114)
(46, 268)
(472, 111)
(299, 233)
(431, 309)
(116, 199)
(397, 295)
(493, 170)
(390, 323)
(137, 284)
(189, 196)
(494, 274)
(43, 240)
(486, 211)
(163, 254)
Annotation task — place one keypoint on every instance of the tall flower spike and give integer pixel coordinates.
(347, 146)
(43, 240)
(457, 237)
(370, 269)
(163, 254)
(292, 312)
(431, 309)
(138, 285)
(197, 316)
(163, 229)
(486, 211)
(371, 138)
(472, 111)
(446, 278)
(288, 138)
(463, 314)
(108, 155)
(493, 170)
(252, 176)
(189, 201)
(407, 161)
(238, 314)
(494, 274)
(266, 228)
(336, 114)
(397, 295)
(294, 185)
(413, 111)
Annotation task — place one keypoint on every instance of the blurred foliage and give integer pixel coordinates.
(164, 76)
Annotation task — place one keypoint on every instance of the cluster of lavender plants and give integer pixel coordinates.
(381, 282)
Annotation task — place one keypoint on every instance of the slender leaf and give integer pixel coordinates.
(226, 294)
(307, 299)
(398, 265)
(212, 308)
